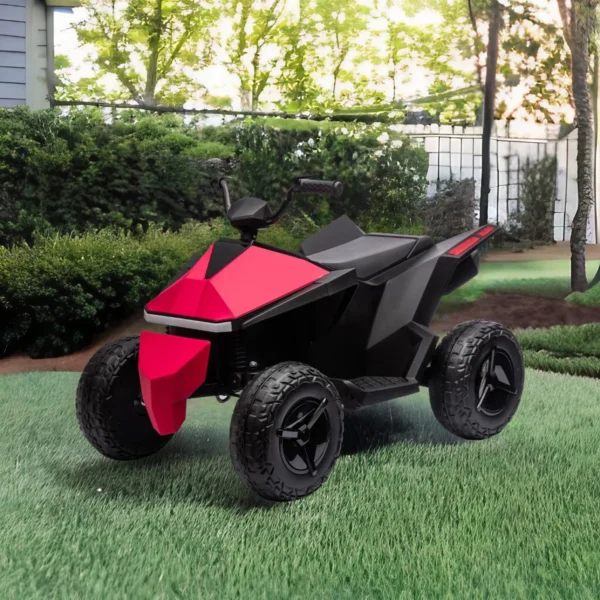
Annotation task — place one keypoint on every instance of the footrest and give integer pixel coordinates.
(372, 384)
(367, 390)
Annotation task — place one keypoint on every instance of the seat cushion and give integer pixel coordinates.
(368, 255)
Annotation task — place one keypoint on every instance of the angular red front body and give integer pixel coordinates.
(255, 278)
(171, 367)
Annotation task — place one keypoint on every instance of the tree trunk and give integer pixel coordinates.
(149, 94)
(489, 107)
(583, 20)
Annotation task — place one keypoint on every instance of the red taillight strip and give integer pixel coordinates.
(471, 241)
(464, 246)
(487, 229)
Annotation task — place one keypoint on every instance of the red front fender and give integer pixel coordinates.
(171, 369)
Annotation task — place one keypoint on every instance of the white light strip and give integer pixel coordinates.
(189, 323)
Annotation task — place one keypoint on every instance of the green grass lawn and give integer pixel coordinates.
(409, 511)
(538, 277)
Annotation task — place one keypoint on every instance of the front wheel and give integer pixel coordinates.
(286, 431)
(476, 381)
(110, 410)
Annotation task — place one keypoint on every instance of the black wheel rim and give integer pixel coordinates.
(495, 384)
(139, 407)
(304, 436)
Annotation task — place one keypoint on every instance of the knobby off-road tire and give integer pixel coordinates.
(455, 384)
(109, 404)
(276, 403)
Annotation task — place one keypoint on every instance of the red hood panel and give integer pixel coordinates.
(255, 278)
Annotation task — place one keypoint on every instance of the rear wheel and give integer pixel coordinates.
(286, 431)
(476, 381)
(110, 409)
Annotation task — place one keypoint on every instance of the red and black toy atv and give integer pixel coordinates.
(341, 324)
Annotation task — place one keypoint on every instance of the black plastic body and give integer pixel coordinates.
(365, 325)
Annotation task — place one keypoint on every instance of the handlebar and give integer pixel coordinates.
(316, 186)
(226, 198)
(302, 185)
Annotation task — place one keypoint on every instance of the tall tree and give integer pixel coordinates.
(255, 27)
(400, 41)
(148, 46)
(296, 82)
(340, 23)
(580, 19)
(531, 58)
(489, 105)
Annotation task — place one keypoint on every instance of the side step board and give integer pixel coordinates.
(365, 391)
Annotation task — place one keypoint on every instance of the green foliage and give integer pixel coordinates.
(57, 294)
(168, 37)
(590, 297)
(255, 25)
(535, 220)
(74, 172)
(342, 21)
(383, 180)
(582, 366)
(452, 210)
(564, 349)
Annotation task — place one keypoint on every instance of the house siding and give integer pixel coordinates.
(12, 52)
(37, 54)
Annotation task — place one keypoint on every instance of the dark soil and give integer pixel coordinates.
(518, 311)
(515, 311)
(76, 361)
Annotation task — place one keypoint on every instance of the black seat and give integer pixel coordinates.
(371, 253)
(343, 245)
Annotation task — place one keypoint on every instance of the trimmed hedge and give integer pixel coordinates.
(574, 350)
(56, 295)
(75, 172)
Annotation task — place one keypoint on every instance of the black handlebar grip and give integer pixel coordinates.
(315, 186)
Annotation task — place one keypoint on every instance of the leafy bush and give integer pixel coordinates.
(60, 292)
(384, 181)
(535, 220)
(590, 297)
(452, 210)
(76, 171)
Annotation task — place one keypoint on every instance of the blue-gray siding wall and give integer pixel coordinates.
(12, 52)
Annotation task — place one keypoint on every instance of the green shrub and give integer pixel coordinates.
(452, 210)
(56, 295)
(383, 180)
(535, 220)
(590, 297)
(77, 172)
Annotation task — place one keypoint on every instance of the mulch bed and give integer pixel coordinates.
(515, 311)
(518, 311)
